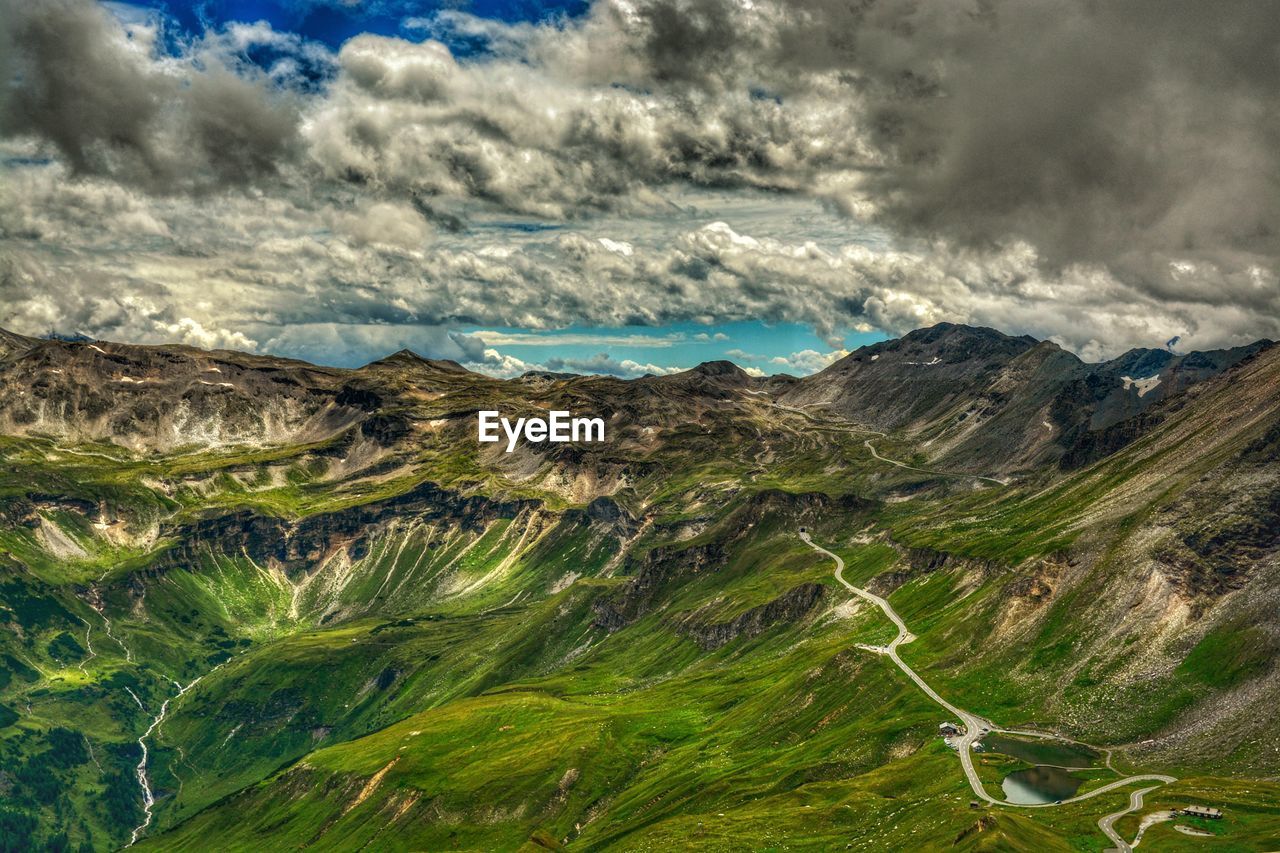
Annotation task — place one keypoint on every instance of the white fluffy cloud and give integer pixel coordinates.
(507, 366)
(605, 364)
(807, 361)
(340, 279)
(555, 124)
(699, 161)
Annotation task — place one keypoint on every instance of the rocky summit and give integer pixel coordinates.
(249, 603)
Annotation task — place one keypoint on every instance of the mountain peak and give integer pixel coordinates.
(919, 377)
(716, 378)
(720, 367)
(951, 332)
(955, 345)
(409, 358)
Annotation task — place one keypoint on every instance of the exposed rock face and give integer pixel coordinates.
(386, 430)
(914, 379)
(1084, 446)
(25, 509)
(792, 607)
(160, 398)
(800, 508)
(1226, 546)
(985, 401)
(659, 569)
(297, 546)
(923, 561)
(612, 515)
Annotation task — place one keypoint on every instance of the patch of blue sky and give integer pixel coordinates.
(23, 160)
(785, 218)
(523, 226)
(332, 22)
(748, 343)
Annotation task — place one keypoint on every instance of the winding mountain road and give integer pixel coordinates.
(875, 453)
(975, 726)
(1107, 824)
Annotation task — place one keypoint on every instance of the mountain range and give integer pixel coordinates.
(278, 605)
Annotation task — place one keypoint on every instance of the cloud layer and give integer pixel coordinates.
(1106, 174)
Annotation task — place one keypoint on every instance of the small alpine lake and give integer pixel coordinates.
(1050, 778)
(1056, 753)
(1040, 785)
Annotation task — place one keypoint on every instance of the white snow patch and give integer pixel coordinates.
(1143, 385)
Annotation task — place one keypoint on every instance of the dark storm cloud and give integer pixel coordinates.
(76, 82)
(90, 86)
(1126, 133)
(1098, 131)
(690, 43)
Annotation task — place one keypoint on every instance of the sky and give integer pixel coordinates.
(635, 186)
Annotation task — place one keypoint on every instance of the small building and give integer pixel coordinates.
(1206, 812)
(950, 730)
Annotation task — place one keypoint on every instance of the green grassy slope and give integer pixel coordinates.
(489, 658)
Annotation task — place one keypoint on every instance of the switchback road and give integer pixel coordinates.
(975, 726)
(1107, 824)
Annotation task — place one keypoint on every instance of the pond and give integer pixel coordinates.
(1040, 785)
(1055, 752)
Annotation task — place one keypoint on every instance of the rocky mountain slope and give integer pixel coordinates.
(335, 620)
(982, 400)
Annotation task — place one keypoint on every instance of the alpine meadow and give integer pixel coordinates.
(639, 425)
(335, 620)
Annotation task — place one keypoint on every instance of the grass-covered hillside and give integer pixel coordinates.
(252, 604)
